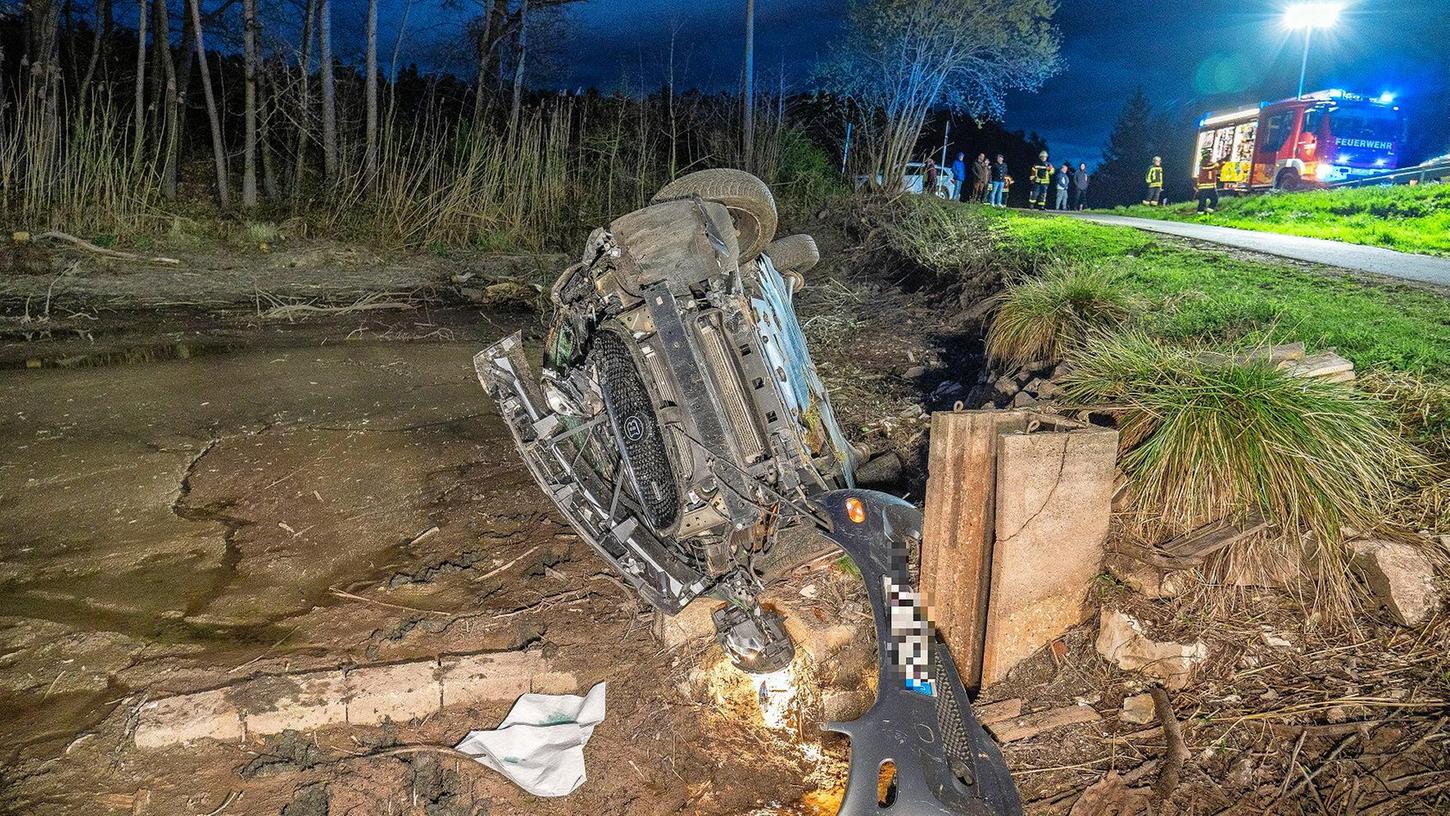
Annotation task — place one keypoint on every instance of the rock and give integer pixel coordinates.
(845, 706)
(1033, 386)
(1047, 390)
(1276, 642)
(1401, 578)
(915, 372)
(1138, 709)
(947, 391)
(883, 469)
(692, 624)
(1023, 400)
(1121, 641)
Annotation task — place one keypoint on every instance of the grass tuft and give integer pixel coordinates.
(1204, 436)
(1040, 319)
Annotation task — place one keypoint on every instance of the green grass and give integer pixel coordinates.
(1204, 295)
(1042, 317)
(1409, 219)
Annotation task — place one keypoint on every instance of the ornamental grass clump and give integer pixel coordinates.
(1042, 318)
(1206, 436)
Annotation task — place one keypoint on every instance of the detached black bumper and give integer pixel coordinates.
(922, 721)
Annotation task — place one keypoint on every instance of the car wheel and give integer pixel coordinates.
(794, 253)
(1289, 181)
(746, 197)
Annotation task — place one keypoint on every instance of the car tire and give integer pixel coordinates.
(1289, 181)
(794, 253)
(747, 198)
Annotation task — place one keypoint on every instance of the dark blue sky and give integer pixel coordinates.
(1190, 55)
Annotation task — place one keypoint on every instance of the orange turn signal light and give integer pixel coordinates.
(855, 510)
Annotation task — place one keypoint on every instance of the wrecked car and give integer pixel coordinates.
(680, 426)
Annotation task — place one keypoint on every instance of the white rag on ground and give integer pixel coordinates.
(540, 744)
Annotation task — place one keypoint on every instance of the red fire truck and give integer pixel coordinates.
(1323, 138)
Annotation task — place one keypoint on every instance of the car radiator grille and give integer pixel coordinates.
(637, 429)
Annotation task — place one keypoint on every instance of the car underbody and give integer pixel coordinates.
(679, 425)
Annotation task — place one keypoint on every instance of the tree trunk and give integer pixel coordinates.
(172, 105)
(140, 124)
(249, 94)
(485, 58)
(371, 89)
(98, 43)
(329, 92)
(521, 38)
(304, 114)
(266, 93)
(218, 149)
(748, 97)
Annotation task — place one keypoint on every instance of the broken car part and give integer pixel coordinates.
(681, 428)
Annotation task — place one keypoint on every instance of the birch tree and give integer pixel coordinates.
(140, 111)
(304, 113)
(521, 49)
(171, 100)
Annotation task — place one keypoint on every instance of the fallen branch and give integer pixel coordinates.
(1177, 749)
(103, 251)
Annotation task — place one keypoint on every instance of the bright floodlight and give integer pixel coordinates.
(1312, 15)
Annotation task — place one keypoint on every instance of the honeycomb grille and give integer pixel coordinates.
(636, 429)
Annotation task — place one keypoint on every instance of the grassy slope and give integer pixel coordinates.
(1410, 219)
(1211, 295)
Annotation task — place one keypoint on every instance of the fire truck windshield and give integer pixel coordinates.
(1365, 127)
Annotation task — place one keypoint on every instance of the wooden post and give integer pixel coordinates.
(957, 532)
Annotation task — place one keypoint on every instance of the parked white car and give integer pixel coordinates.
(914, 180)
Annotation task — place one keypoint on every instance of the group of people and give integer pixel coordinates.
(1206, 184)
(991, 181)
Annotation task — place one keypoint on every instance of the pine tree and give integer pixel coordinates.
(1129, 151)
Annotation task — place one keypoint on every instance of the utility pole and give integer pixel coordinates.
(749, 141)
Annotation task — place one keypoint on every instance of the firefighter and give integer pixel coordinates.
(1155, 183)
(1207, 181)
(1042, 173)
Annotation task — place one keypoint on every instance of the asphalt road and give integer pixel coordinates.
(1377, 261)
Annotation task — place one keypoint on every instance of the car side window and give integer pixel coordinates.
(1279, 126)
(1312, 120)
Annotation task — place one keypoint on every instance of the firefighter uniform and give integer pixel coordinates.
(1208, 187)
(1042, 173)
(1155, 185)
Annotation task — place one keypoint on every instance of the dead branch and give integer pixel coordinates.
(1177, 749)
(103, 251)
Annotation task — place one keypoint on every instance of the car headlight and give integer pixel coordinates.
(1325, 171)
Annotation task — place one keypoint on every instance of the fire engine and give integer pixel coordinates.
(1319, 139)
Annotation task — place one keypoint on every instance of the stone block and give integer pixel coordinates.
(499, 677)
(301, 702)
(188, 717)
(401, 692)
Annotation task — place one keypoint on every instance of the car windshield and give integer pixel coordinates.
(1365, 124)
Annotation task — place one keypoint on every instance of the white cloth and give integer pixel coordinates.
(540, 744)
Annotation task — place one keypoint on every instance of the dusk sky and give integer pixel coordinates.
(1191, 57)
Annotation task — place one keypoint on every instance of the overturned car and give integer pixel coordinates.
(680, 426)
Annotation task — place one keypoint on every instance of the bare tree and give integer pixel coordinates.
(249, 93)
(304, 114)
(371, 89)
(172, 102)
(218, 149)
(904, 57)
(521, 53)
(748, 94)
(99, 38)
(329, 91)
(492, 31)
(140, 131)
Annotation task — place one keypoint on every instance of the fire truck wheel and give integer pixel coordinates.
(1289, 181)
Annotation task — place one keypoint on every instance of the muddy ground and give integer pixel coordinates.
(257, 463)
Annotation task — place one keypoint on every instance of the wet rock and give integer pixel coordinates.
(1401, 578)
(1138, 709)
(1121, 641)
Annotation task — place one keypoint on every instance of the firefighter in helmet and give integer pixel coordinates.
(1042, 173)
(1207, 183)
(1155, 183)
